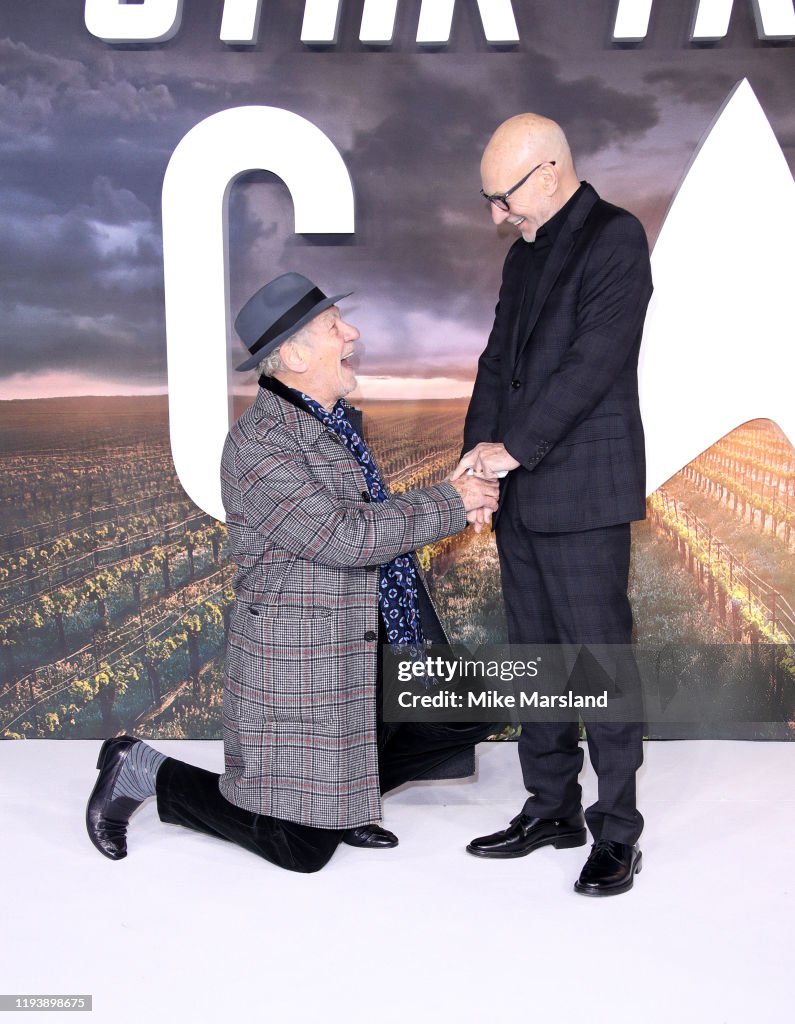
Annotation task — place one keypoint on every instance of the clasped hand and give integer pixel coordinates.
(475, 478)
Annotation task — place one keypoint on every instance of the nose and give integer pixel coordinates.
(350, 332)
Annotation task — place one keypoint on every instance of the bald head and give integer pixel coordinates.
(518, 145)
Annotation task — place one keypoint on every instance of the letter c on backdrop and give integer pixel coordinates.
(196, 188)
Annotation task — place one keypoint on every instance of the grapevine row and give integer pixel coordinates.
(60, 551)
(51, 530)
(733, 590)
(64, 606)
(44, 575)
(47, 712)
(745, 500)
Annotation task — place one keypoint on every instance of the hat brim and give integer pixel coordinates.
(252, 361)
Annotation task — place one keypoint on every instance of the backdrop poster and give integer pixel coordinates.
(366, 131)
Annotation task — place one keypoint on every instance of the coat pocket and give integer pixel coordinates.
(289, 666)
(597, 428)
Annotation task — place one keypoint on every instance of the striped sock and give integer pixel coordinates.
(138, 773)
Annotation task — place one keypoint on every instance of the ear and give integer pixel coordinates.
(292, 354)
(549, 178)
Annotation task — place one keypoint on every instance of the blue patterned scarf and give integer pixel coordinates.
(397, 595)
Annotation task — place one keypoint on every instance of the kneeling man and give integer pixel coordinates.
(326, 571)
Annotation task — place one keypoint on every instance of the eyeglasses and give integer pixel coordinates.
(500, 199)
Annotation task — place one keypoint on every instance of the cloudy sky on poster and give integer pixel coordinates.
(86, 131)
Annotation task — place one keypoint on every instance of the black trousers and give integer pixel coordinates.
(571, 588)
(189, 796)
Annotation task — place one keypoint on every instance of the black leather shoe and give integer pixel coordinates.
(106, 819)
(370, 837)
(525, 834)
(610, 869)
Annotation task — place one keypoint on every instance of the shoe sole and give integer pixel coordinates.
(564, 842)
(585, 890)
(370, 846)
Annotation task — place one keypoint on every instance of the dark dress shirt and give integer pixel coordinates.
(535, 256)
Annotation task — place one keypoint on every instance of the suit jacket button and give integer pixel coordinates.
(371, 635)
(366, 496)
(516, 384)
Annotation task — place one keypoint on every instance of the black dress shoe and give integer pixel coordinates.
(610, 869)
(106, 819)
(525, 834)
(370, 837)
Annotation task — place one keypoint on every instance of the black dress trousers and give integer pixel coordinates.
(571, 588)
(189, 796)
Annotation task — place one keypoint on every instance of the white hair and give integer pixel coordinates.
(272, 363)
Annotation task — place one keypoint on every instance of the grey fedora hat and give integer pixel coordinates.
(277, 310)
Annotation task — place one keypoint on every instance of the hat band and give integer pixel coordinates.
(288, 319)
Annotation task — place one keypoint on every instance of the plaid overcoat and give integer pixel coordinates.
(299, 711)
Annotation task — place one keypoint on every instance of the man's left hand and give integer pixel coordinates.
(487, 458)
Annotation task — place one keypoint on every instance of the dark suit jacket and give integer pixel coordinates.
(562, 394)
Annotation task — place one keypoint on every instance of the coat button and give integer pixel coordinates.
(516, 384)
(371, 635)
(366, 496)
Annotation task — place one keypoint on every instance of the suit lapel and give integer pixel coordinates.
(555, 263)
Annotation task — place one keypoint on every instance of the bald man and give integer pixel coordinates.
(555, 407)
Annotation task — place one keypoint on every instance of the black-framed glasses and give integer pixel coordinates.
(500, 199)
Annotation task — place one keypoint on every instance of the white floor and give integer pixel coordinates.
(191, 929)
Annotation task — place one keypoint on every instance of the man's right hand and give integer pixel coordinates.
(477, 493)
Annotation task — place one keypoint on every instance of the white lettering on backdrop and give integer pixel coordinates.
(155, 21)
(775, 20)
(195, 193)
